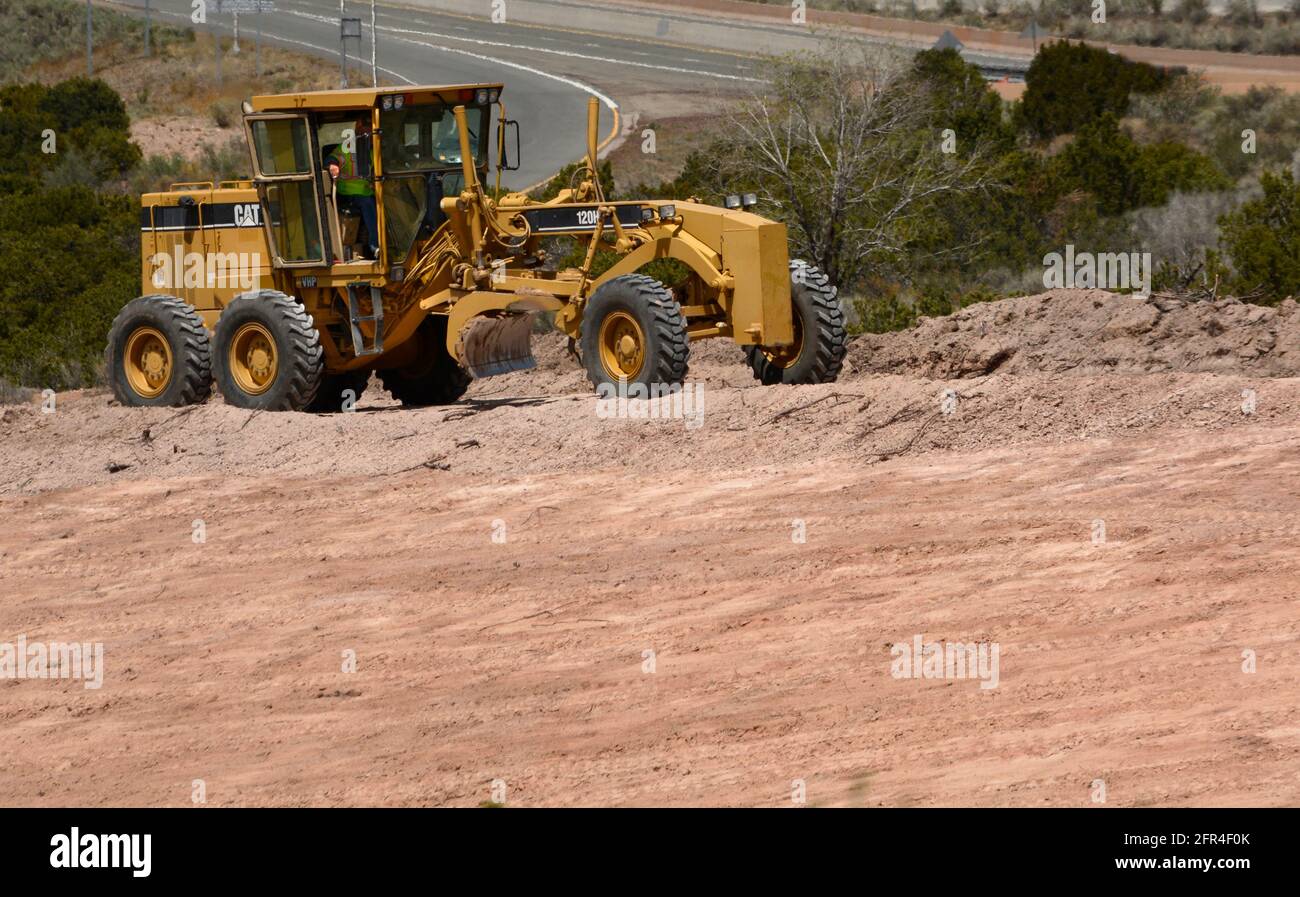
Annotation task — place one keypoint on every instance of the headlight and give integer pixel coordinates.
(399, 101)
(482, 96)
(666, 212)
(388, 104)
(749, 200)
(732, 201)
(647, 214)
(494, 95)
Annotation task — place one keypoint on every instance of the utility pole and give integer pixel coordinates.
(235, 49)
(258, 51)
(90, 44)
(216, 42)
(343, 48)
(374, 69)
(148, 23)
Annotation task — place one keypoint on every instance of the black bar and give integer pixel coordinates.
(330, 847)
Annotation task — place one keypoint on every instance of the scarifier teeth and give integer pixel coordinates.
(491, 346)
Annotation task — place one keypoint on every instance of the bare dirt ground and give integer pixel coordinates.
(525, 659)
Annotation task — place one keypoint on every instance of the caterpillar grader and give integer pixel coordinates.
(291, 288)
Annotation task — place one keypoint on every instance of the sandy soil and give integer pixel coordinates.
(502, 567)
(183, 135)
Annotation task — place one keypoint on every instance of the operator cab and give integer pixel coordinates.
(396, 176)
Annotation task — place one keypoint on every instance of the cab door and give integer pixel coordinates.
(286, 170)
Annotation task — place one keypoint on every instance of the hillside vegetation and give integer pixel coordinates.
(1100, 154)
(71, 172)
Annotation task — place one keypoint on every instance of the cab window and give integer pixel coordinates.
(282, 146)
(424, 138)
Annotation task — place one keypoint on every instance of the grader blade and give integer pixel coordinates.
(491, 346)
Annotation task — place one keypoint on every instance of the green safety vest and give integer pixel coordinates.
(349, 184)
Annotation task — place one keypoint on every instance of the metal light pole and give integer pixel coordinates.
(235, 49)
(216, 42)
(148, 23)
(343, 48)
(90, 44)
(374, 70)
(258, 51)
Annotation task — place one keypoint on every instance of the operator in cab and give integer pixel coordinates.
(353, 172)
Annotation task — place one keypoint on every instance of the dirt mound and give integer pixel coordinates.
(1090, 332)
(1188, 367)
(536, 428)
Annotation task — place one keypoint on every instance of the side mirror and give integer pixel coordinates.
(504, 128)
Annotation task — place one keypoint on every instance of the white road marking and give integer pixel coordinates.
(515, 65)
(534, 49)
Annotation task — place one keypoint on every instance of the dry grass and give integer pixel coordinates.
(674, 140)
(180, 77)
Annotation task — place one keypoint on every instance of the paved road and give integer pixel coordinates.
(549, 72)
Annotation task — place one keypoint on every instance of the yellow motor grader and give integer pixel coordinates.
(277, 289)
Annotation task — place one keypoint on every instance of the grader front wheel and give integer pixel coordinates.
(633, 331)
(158, 353)
(268, 353)
(817, 352)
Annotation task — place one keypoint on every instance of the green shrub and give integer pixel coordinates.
(1070, 85)
(1111, 166)
(1262, 240)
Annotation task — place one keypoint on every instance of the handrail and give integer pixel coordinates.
(153, 226)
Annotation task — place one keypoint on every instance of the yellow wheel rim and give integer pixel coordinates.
(147, 362)
(253, 364)
(788, 356)
(622, 346)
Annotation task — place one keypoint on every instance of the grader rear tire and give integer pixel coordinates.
(158, 353)
(633, 331)
(268, 353)
(819, 335)
(435, 377)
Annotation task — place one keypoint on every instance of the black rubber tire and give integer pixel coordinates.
(300, 360)
(817, 307)
(331, 393)
(435, 377)
(660, 318)
(191, 381)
